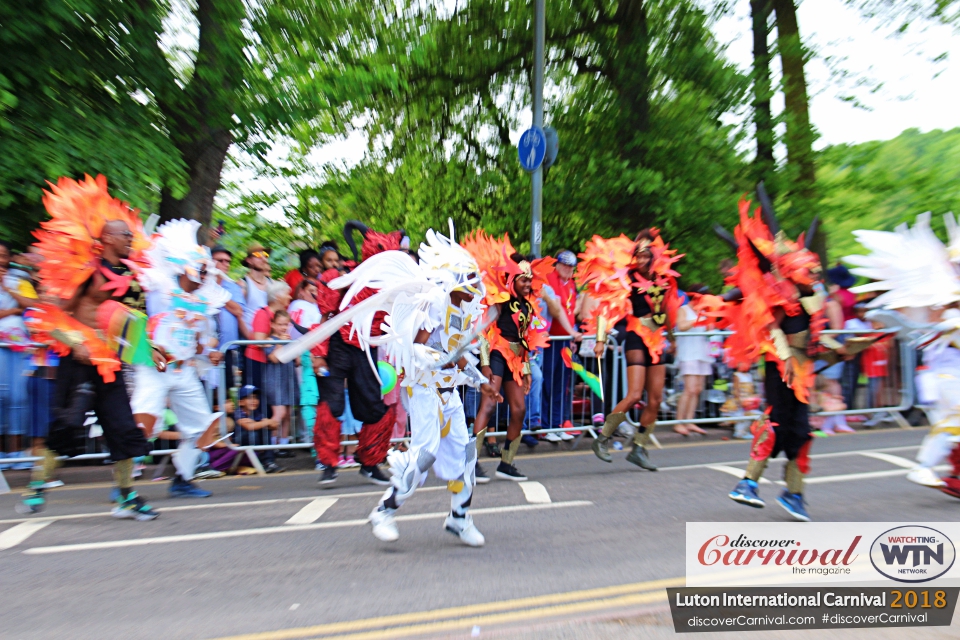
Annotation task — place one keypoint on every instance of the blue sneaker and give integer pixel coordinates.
(529, 440)
(114, 495)
(746, 493)
(793, 503)
(184, 489)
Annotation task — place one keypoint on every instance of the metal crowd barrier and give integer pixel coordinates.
(572, 412)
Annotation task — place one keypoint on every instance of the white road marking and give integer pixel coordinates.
(216, 535)
(734, 471)
(15, 535)
(535, 493)
(886, 457)
(311, 512)
(815, 456)
(864, 476)
(213, 505)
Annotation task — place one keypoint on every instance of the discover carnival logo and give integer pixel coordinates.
(912, 554)
(744, 551)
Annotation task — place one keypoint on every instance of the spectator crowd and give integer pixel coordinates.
(269, 402)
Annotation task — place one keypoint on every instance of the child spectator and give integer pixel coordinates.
(252, 428)
(349, 430)
(280, 386)
(830, 398)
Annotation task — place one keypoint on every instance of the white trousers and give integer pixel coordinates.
(180, 389)
(438, 427)
(439, 439)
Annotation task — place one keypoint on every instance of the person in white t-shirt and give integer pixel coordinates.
(696, 363)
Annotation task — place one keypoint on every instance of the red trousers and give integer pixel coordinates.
(374, 438)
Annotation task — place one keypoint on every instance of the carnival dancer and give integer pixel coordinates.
(635, 285)
(183, 296)
(776, 310)
(434, 308)
(920, 281)
(87, 246)
(512, 283)
(346, 363)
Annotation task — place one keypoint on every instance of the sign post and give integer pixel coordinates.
(539, 31)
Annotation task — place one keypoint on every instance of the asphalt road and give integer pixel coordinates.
(277, 557)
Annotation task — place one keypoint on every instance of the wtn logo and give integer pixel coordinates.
(912, 554)
(901, 553)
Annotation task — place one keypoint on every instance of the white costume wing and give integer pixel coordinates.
(400, 282)
(910, 265)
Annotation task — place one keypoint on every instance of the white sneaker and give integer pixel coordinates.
(552, 437)
(925, 476)
(465, 530)
(384, 525)
(565, 436)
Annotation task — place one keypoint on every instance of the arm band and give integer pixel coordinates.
(484, 352)
(780, 344)
(601, 330)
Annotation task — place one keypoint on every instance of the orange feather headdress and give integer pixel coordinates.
(70, 240)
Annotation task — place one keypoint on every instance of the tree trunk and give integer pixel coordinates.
(200, 115)
(799, 136)
(204, 160)
(764, 164)
(631, 77)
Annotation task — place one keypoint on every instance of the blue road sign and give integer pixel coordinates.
(531, 148)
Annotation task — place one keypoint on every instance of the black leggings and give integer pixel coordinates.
(81, 388)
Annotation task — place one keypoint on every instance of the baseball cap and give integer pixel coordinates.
(245, 391)
(567, 257)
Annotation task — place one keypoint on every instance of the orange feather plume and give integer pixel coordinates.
(70, 240)
(604, 273)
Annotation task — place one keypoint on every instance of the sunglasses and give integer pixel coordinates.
(260, 254)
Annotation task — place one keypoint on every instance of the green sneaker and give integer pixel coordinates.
(601, 447)
(33, 501)
(134, 507)
(638, 456)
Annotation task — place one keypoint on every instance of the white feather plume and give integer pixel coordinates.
(910, 265)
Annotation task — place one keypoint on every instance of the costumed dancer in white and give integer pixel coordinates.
(920, 278)
(182, 300)
(434, 314)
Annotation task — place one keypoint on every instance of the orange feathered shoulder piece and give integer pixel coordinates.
(768, 268)
(604, 273)
(498, 270)
(70, 240)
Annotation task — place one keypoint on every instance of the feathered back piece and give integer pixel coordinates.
(911, 266)
(604, 272)
(499, 270)
(373, 241)
(769, 268)
(70, 240)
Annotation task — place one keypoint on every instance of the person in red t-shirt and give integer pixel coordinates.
(874, 364)
(560, 297)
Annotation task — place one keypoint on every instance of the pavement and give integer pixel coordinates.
(584, 549)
